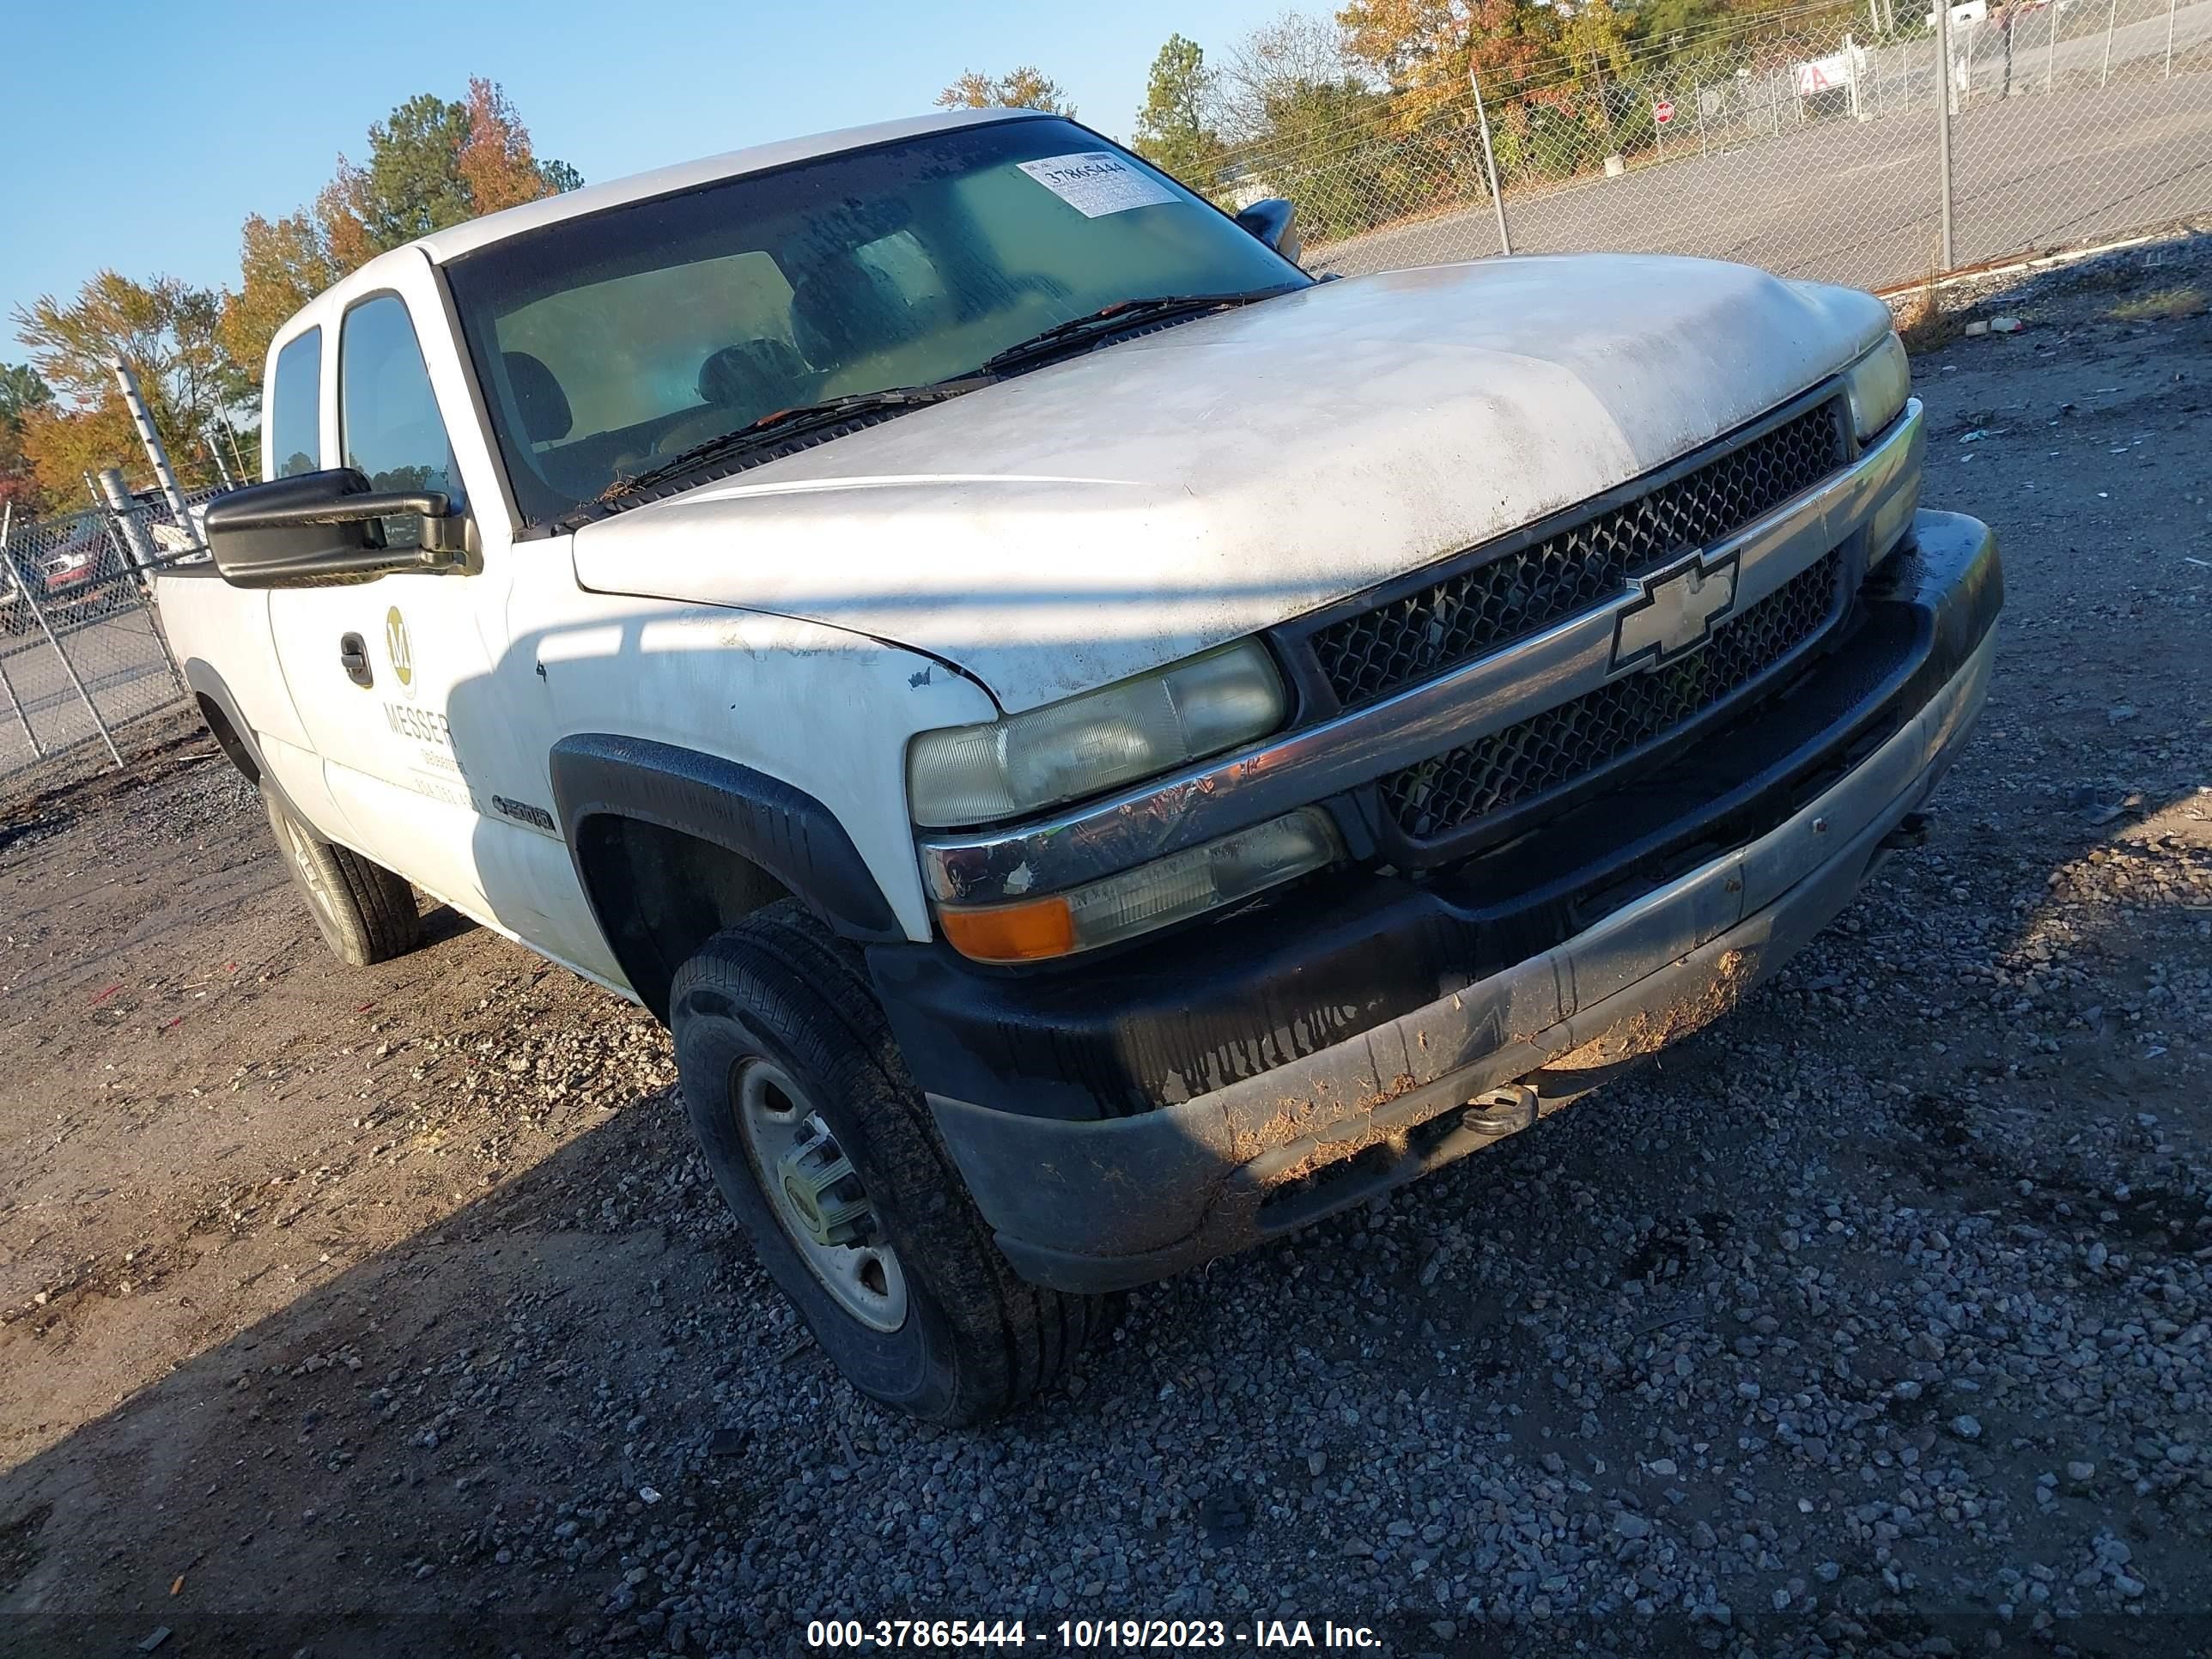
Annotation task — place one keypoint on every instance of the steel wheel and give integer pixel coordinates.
(817, 1197)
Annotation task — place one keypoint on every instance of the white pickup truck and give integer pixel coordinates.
(1102, 748)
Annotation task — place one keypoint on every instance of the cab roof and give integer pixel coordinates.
(450, 243)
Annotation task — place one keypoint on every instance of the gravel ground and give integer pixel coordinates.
(388, 1312)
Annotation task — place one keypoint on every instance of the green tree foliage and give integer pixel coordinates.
(1673, 22)
(412, 184)
(1024, 88)
(432, 162)
(166, 330)
(22, 392)
(1174, 131)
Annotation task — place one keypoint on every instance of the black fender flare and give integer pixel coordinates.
(780, 828)
(238, 744)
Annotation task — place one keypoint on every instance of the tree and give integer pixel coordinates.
(1329, 150)
(1595, 35)
(1426, 49)
(412, 184)
(22, 392)
(166, 331)
(1174, 131)
(1275, 61)
(432, 162)
(1024, 88)
(283, 265)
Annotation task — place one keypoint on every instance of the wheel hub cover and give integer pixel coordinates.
(823, 1191)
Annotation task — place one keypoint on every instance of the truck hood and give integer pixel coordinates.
(1097, 517)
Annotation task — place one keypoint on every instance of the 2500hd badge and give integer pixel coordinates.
(1102, 749)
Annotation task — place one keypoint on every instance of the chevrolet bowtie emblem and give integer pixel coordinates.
(1674, 613)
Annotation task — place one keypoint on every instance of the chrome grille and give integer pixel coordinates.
(1427, 633)
(1549, 750)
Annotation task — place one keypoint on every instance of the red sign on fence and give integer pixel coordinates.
(1663, 112)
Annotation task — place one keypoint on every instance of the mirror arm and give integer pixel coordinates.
(369, 561)
(433, 505)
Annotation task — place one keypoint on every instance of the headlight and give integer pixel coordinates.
(1150, 896)
(1878, 383)
(1138, 728)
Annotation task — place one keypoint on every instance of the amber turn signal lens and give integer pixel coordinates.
(1011, 932)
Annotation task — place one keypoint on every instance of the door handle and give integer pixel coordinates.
(353, 656)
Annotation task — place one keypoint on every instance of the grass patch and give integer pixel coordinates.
(2168, 304)
(1924, 324)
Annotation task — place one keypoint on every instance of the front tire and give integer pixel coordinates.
(821, 1143)
(365, 912)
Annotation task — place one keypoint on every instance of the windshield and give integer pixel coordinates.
(610, 342)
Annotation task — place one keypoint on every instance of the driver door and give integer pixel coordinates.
(376, 667)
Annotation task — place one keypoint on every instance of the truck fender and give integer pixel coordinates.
(782, 830)
(232, 731)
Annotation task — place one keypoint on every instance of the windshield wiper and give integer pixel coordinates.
(783, 423)
(1122, 313)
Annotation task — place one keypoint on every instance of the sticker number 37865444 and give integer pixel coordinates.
(1096, 182)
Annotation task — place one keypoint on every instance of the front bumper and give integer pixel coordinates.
(1084, 1201)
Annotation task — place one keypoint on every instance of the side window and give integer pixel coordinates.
(388, 418)
(295, 427)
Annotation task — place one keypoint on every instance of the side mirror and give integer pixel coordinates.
(1275, 222)
(328, 527)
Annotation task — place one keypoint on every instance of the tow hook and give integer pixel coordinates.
(1501, 1112)
(824, 1190)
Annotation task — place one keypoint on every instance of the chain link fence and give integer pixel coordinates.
(83, 663)
(1812, 152)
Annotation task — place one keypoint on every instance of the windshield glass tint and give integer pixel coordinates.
(612, 342)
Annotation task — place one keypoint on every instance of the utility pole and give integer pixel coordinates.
(1490, 162)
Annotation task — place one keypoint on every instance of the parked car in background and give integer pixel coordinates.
(73, 569)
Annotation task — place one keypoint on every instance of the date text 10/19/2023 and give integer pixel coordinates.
(1087, 1635)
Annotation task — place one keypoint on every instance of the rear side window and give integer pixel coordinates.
(296, 428)
(388, 416)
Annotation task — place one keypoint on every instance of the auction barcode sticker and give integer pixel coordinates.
(1096, 182)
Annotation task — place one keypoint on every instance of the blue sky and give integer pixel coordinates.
(229, 109)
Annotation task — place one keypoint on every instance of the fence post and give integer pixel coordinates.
(2050, 51)
(38, 614)
(1943, 123)
(2169, 39)
(237, 460)
(146, 556)
(2112, 17)
(137, 548)
(155, 453)
(22, 714)
(1489, 163)
(6, 526)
